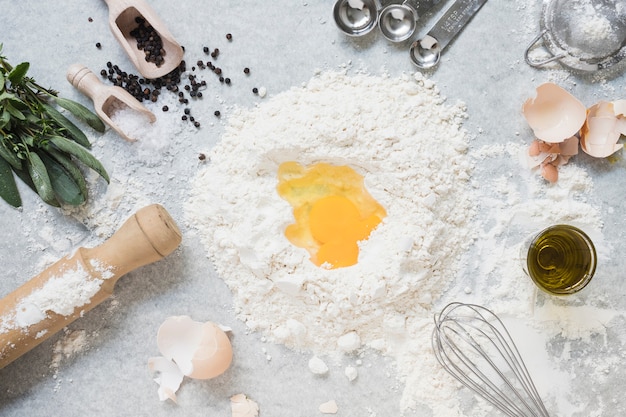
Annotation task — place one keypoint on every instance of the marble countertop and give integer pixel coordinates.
(285, 42)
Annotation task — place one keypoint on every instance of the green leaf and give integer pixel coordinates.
(82, 113)
(72, 129)
(9, 156)
(2, 81)
(5, 118)
(79, 153)
(8, 188)
(14, 112)
(65, 188)
(39, 174)
(71, 168)
(17, 74)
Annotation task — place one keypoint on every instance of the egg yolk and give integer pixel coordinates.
(332, 209)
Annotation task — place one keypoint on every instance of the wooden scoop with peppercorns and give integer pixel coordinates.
(145, 38)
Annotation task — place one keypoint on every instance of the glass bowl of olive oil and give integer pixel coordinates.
(561, 259)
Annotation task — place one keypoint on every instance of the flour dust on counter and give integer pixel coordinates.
(408, 144)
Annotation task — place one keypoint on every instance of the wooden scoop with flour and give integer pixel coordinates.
(78, 282)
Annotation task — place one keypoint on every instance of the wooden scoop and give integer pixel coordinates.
(38, 309)
(106, 98)
(122, 15)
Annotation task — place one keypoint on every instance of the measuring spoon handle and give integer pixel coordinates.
(453, 20)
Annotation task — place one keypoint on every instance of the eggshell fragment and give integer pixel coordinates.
(189, 348)
(242, 406)
(201, 350)
(329, 407)
(169, 377)
(604, 125)
(554, 114)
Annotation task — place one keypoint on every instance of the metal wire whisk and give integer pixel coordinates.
(475, 347)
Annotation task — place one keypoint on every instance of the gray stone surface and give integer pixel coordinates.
(284, 42)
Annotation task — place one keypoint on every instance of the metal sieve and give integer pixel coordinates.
(582, 35)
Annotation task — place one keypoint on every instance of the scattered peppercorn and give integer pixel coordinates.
(149, 41)
(187, 111)
(165, 108)
(246, 70)
(221, 79)
(98, 45)
(227, 80)
(90, 19)
(255, 90)
(202, 157)
(206, 49)
(196, 124)
(217, 113)
(229, 36)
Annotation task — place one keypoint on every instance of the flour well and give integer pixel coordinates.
(409, 145)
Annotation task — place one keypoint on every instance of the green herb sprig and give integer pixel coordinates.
(39, 144)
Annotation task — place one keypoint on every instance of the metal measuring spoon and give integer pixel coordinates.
(356, 17)
(426, 52)
(122, 15)
(397, 21)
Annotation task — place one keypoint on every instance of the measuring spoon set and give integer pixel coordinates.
(397, 22)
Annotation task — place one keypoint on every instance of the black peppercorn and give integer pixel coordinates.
(184, 117)
(165, 108)
(187, 111)
(229, 36)
(202, 157)
(196, 124)
(255, 90)
(217, 113)
(227, 80)
(246, 70)
(98, 45)
(206, 49)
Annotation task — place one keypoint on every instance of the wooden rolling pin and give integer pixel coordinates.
(80, 281)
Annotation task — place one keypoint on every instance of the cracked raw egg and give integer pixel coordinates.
(333, 211)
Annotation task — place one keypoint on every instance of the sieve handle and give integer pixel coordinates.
(539, 63)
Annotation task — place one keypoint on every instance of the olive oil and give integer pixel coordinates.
(561, 259)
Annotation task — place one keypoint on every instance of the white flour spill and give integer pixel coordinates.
(412, 155)
(412, 151)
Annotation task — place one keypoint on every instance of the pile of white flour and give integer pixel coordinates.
(409, 145)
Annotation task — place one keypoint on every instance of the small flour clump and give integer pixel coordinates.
(411, 149)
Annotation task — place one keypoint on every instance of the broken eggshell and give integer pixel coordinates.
(242, 406)
(554, 114)
(549, 156)
(189, 348)
(604, 125)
